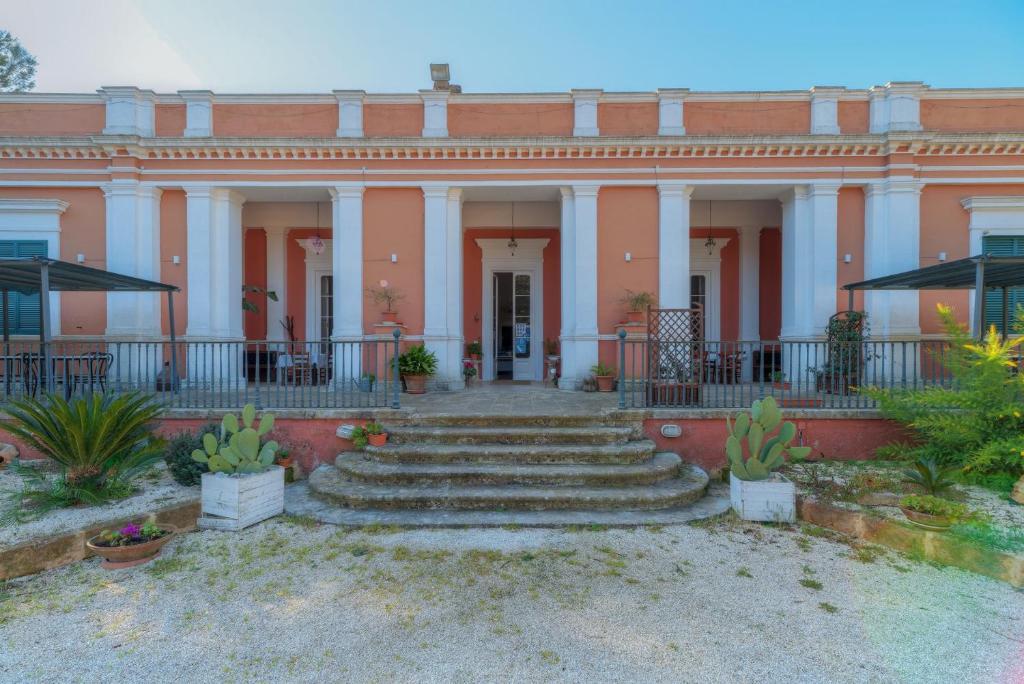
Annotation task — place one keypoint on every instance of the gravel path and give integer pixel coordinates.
(716, 602)
(157, 489)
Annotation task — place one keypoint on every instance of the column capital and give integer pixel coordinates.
(346, 191)
(455, 194)
(585, 190)
(198, 191)
(435, 191)
(278, 231)
(120, 187)
(893, 186)
(673, 188)
(228, 195)
(824, 189)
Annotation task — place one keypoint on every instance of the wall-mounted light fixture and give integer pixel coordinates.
(394, 258)
(80, 258)
(942, 256)
(629, 257)
(847, 258)
(176, 260)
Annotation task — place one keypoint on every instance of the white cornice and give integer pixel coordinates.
(33, 206)
(999, 203)
(50, 98)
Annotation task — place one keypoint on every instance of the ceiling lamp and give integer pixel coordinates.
(513, 244)
(710, 243)
(316, 243)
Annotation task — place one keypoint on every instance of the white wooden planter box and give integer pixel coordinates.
(233, 502)
(771, 500)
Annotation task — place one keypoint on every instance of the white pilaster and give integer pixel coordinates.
(199, 262)
(226, 274)
(824, 216)
(797, 265)
(198, 113)
(750, 267)
(896, 106)
(455, 345)
(133, 248)
(347, 261)
(129, 111)
(892, 217)
(671, 115)
(586, 331)
(567, 337)
(277, 280)
(435, 113)
(674, 245)
(350, 113)
(436, 254)
(825, 110)
(585, 112)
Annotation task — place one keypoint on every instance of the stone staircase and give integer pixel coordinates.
(528, 467)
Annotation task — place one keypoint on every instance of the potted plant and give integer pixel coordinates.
(359, 438)
(844, 353)
(931, 512)
(756, 492)
(244, 486)
(366, 382)
(386, 295)
(375, 434)
(416, 365)
(779, 381)
(131, 545)
(674, 384)
(637, 304)
(474, 349)
(468, 370)
(604, 375)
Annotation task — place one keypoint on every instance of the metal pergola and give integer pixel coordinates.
(981, 273)
(43, 275)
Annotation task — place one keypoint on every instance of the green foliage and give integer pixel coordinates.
(374, 428)
(474, 347)
(238, 450)
(178, 455)
(933, 505)
(980, 530)
(930, 476)
(252, 307)
(638, 301)
(359, 438)
(417, 360)
(602, 370)
(17, 65)
(765, 452)
(101, 441)
(977, 422)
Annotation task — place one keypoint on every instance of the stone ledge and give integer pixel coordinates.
(47, 553)
(933, 546)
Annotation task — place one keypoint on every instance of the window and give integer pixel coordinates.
(23, 317)
(1002, 245)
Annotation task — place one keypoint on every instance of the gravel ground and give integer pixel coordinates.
(720, 601)
(156, 490)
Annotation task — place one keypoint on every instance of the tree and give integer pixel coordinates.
(17, 65)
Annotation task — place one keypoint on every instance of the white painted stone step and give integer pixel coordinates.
(628, 452)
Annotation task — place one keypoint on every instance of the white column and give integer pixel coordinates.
(824, 216)
(347, 271)
(586, 332)
(435, 113)
(892, 238)
(825, 110)
(797, 265)
(133, 248)
(435, 283)
(674, 245)
(277, 280)
(350, 113)
(214, 276)
(567, 336)
(750, 288)
(455, 346)
(585, 112)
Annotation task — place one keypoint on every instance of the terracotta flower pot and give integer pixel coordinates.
(389, 316)
(636, 316)
(782, 385)
(926, 520)
(286, 462)
(475, 357)
(377, 440)
(116, 557)
(415, 384)
(605, 383)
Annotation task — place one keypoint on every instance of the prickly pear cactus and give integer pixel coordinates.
(764, 452)
(238, 450)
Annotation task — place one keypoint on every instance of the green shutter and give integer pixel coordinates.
(24, 314)
(1002, 245)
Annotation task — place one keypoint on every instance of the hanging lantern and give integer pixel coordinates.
(317, 244)
(710, 243)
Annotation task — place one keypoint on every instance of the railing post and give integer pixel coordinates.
(622, 368)
(395, 379)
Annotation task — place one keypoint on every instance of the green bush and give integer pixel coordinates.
(101, 442)
(977, 422)
(417, 360)
(178, 456)
(933, 505)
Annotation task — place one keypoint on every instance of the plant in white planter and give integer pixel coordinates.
(758, 493)
(243, 486)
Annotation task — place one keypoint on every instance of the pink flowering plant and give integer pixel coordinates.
(132, 534)
(468, 369)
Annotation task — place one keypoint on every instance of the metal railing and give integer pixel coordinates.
(210, 374)
(807, 374)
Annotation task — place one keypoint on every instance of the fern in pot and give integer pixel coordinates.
(416, 365)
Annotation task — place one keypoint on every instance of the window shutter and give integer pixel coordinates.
(1002, 245)
(24, 313)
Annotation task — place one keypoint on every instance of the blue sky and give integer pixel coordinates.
(385, 45)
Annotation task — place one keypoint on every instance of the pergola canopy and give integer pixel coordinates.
(982, 273)
(25, 276)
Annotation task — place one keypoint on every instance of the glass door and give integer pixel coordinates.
(522, 340)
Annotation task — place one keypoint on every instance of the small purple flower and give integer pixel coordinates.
(130, 530)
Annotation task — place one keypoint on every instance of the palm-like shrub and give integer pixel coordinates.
(99, 441)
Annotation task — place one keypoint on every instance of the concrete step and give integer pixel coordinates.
(616, 418)
(359, 467)
(508, 435)
(328, 483)
(628, 452)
